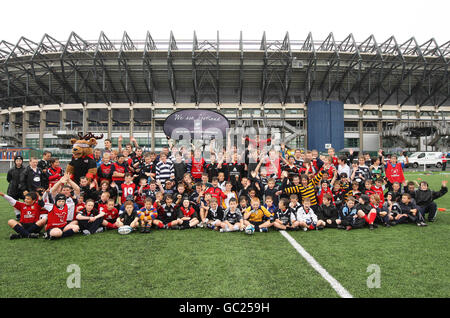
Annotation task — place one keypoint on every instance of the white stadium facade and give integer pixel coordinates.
(394, 95)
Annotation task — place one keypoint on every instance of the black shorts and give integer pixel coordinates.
(26, 226)
(164, 221)
(111, 221)
(256, 224)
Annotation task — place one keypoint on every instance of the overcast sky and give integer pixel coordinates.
(383, 18)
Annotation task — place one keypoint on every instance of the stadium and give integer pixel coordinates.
(389, 94)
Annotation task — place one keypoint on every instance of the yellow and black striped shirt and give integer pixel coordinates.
(309, 191)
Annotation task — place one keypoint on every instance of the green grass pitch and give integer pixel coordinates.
(413, 261)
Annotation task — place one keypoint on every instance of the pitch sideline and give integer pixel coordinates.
(322, 271)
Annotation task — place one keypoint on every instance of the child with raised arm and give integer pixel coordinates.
(28, 225)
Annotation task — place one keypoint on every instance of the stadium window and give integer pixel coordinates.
(370, 113)
(272, 111)
(412, 114)
(163, 111)
(389, 113)
(295, 112)
(230, 111)
(351, 142)
(351, 126)
(426, 114)
(32, 142)
(48, 142)
(251, 111)
(351, 112)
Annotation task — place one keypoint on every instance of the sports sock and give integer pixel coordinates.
(68, 233)
(33, 228)
(111, 226)
(19, 229)
(160, 225)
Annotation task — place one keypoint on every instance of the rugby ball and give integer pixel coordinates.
(126, 229)
(250, 229)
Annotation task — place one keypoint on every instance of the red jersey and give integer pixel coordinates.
(380, 192)
(188, 213)
(110, 215)
(105, 172)
(121, 168)
(79, 207)
(198, 166)
(274, 168)
(54, 175)
(331, 171)
(217, 193)
(127, 189)
(394, 174)
(57, 218)
(335, 161)
(28, 213)
(140, 197)
(321, 194)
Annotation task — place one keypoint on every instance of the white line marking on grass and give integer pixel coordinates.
(322, 271)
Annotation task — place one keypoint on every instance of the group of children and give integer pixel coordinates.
(302, 191)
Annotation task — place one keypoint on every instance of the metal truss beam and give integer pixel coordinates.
(125, 73)
(205, 69)
(171, 69)
(103, 43)
(147, 68)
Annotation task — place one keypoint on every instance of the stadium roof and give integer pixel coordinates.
(223, 71)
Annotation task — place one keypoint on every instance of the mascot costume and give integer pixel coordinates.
(83, 163)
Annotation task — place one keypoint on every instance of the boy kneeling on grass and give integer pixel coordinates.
(30, 223)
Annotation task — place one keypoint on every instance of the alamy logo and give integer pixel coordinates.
(74, 279)
(374, 279)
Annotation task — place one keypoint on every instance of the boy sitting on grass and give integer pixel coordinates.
(305, 217)
(283, 216)
(90, 219)
(129, 216)
(187, 216)
(146, 215)
(327, 213)
(215, 215)
(232, 220)
(30, 211)
(255, 214)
